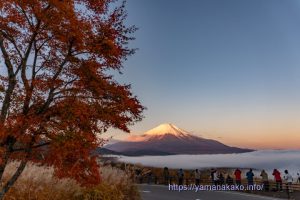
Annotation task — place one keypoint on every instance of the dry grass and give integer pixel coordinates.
(38, 183)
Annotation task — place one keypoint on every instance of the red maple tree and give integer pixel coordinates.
(55, 93)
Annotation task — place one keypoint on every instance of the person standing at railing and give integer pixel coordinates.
(265, 180)
(237, 174)
(221, 178)
(139, 176)
(278, 179)
(288, 181)
(197, 177)
(180, 175)
(249, 176)
(298, 177)
(149, 175)
(166, 176)
(214, 176)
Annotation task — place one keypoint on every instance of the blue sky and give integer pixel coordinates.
(221, 69)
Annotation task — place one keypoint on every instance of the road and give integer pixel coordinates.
(159, 192)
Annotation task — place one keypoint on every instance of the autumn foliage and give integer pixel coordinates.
(56, 96)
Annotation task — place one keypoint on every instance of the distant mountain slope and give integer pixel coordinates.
(167, 139)
(105, 151)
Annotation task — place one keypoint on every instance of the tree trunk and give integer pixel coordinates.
(4, 162)
(13, 179)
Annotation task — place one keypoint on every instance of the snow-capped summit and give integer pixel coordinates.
(167, 129)
(162, 131)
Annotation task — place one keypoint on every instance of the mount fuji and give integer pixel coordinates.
(167, 139)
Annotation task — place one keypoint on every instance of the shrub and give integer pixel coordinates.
(38, 183)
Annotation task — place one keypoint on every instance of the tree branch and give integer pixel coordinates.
(11, 81)
(28, 89)
(53, 88)
(33, 147)
(16, 175)
(11, 39)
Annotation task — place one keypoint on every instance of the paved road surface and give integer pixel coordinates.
(159, 192)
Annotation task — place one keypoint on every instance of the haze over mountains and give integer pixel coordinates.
(167, 139)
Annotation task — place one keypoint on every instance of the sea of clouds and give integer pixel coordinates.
(264, 159)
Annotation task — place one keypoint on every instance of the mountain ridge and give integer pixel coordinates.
(168, 139)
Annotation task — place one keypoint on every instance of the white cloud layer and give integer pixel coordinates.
(265, 159)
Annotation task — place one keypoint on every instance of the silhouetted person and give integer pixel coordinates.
(249, 176)
(214, 176)
(197, 177)
(298, 177)
(221, 178)
(237, 174)
(139, 176)
(278, 179)
(149, 176)
(166, 175)
(180, 175)
(265, 180)
(288, 181)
